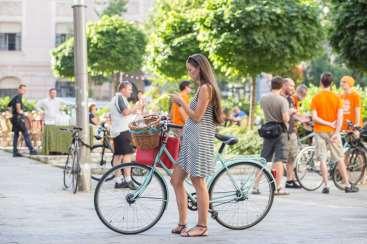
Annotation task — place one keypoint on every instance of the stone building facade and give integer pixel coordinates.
(30, 29)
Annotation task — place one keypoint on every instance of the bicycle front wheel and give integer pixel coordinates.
(308, 169)
(71, 171)
(128, 211)
(241, 195)
(101, 157)
(355, 162)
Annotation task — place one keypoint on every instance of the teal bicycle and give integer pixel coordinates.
(232, 203)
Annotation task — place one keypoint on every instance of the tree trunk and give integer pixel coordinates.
(252, 102)
(116, 79)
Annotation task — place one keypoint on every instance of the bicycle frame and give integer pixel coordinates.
(221, 163)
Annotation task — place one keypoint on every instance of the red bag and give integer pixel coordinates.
(147, 157)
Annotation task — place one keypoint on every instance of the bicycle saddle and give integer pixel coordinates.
(228, 140)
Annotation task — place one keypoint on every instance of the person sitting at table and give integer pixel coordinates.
(238, 115)
(50, 107)
(93, 119)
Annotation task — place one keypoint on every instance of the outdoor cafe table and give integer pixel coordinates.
(56, 141)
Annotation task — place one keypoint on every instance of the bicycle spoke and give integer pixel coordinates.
(231, 195)
(133, 211)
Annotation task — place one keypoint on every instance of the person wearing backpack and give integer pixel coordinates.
(18, 122)
(274, 131)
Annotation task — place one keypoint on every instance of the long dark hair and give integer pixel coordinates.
(207, 77)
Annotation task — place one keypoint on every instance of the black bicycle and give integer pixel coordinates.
(356, 161)
(72, 164)
(101, 154)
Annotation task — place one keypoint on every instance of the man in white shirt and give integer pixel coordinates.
(50, 107)
(121, 115)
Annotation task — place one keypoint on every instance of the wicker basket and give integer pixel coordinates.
(145, 133)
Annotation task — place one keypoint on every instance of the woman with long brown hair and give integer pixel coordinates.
(197, 147)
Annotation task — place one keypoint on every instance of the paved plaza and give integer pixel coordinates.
(35, 209)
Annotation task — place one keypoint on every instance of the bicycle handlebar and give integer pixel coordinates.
(72, 129)
(165, 122)
(174, 126)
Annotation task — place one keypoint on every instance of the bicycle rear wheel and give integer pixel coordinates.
(233, 199)
(101, 157)
(120, 211)
(308, 169)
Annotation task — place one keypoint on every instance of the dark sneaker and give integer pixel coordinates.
(351, 189)
(121, 185)
(325, 190)
(255, 191)
(33, 152)
(292, 184)
(17, 154)
(132, 185)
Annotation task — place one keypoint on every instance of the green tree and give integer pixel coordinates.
(244, 38)
(324, 63)
(349, 32)
(114, 7)
(172, 37)
(114, 45)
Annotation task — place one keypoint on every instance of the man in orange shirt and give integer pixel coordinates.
(351, 103)
(327, 113)
(178, 115)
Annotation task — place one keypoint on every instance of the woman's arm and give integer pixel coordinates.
(183, 113)
(203, 102)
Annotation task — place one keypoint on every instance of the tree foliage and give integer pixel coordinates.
(114, 45)
(173, 36)
(349, 32)
(324, 63)
(114, 7)
(253, 36)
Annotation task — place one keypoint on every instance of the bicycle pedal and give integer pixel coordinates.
(214, 214)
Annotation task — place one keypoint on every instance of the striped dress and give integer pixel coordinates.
(197, 146)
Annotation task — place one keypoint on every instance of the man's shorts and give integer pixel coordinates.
(123, 144)
(323, 144)
(275, 150)
(292, 147)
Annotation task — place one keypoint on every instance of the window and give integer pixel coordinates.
(8, 86)
(8, 92)
(63, 32)
(10, 41)
(61, 37)
(65, 88)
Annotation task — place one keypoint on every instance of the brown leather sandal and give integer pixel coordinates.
(203, 233)
(178, 229)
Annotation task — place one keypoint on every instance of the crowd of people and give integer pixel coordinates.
(330, 113)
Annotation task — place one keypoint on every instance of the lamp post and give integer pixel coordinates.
(81, 87)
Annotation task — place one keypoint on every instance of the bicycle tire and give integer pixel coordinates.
(356, 167)
(105, 191)
(75, 171)
(67, 171)
(103, 163)
(306, 165)
(243, 171)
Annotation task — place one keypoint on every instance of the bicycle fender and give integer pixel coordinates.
(247, 158)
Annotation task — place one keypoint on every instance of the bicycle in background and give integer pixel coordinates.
(308, 172)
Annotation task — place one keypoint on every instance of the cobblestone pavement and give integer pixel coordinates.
(35, 209)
